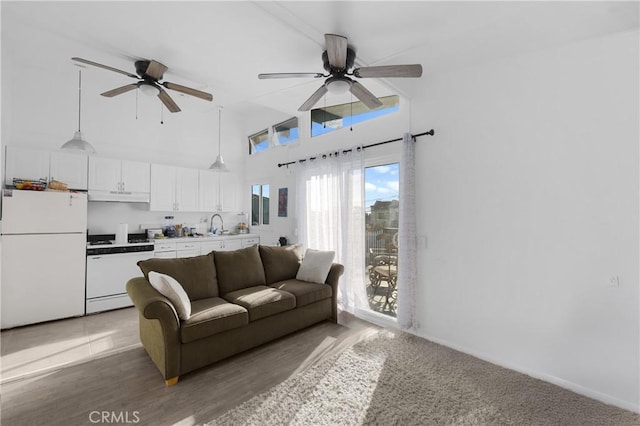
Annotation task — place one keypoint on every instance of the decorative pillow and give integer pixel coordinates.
(172, 290)
(315, 266)
(239, 269)
(280, 263)
(197, 275)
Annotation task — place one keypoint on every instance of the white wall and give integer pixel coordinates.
(529, 198)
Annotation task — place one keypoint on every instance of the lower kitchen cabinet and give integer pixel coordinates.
(176, 249)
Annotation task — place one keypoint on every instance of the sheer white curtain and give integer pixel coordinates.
(330, 212)
(407, 242)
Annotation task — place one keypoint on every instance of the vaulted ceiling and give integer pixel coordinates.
(221, 46)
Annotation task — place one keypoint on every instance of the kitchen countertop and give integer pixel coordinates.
(205, 238)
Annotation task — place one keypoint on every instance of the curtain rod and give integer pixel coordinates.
(430, 133)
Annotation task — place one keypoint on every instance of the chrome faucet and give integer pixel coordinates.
(221, 223)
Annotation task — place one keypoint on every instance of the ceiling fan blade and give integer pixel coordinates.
(106, 67)
(188, 91)
(365, 96)
(120, 90)
(290, 75)
(414, 70)
(317, 95)
(167, 101)
(155, 70)
(336, 50)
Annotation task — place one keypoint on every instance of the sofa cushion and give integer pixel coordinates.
(211, 316)
(315, 266)
(239, 269)
(262, 301)
(280, 263)
(197, 275)
(172, 290)
(305, 292)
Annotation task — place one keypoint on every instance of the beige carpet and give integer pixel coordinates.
(395, 378)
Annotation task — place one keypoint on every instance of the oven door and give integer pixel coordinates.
(107, 274)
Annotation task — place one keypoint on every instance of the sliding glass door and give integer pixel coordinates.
(382, 204)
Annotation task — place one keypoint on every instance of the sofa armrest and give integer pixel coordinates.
(333, 279)
(159, 326)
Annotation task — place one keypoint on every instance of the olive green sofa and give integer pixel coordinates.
(239, 300)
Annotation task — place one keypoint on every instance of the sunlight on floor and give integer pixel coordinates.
(39, 348)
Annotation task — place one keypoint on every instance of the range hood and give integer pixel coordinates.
(122, 197)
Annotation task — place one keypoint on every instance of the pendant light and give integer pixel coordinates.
(78, 143)
(219, 165)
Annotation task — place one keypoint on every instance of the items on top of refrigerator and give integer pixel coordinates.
(32, 185)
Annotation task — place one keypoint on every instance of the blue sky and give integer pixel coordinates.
(381, 183)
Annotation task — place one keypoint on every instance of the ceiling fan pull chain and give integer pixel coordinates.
(161, 114)
(351, 114)
(324, 113)
(137, 90)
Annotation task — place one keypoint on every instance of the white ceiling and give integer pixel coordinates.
(222, 46)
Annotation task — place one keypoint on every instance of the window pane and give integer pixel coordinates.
(286, 131)
(265, 204)
(381, 218)
(255, 204)
(328, 119)
(259, 141)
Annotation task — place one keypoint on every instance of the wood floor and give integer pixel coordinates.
(74, 372)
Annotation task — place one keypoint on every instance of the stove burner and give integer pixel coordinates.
(101, 243)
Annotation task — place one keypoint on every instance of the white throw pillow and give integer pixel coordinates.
(315, 266)
(172, 290)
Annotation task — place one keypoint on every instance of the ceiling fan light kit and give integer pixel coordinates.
(338, 85)
(150, 72)
(338, 60)
(77, 142)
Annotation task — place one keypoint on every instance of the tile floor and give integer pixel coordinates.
(38, 348)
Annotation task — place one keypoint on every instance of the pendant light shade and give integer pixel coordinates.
(77, 142)
(219, 165)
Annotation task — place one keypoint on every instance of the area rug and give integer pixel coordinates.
(395, 378)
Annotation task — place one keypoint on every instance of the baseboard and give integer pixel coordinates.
(607, 399)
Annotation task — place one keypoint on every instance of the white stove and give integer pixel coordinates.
(109, 266)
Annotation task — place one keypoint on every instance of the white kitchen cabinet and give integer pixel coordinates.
(187, 186)
(25, 163)
(229, 188)
(252, 241)
(112, 179)
(163, 188)
(224, 244)
(207, 247)
(218, 191)
(208, 191)
(29, 163)
(165, 249)
(188, 249)
(136, 176)
(104, 174)
(70, 168)
(165, 255)
(174, 188)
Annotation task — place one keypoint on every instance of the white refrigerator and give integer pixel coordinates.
(43, 254)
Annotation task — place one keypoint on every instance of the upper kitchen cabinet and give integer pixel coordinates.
(218, 191)
(118, 180)
(174, 188)
(29, 163)
(70, 168)
(229, 189)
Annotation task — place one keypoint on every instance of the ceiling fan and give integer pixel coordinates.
(149, 75)
(338, 59)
